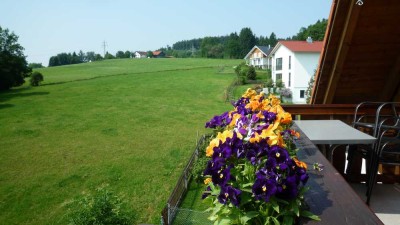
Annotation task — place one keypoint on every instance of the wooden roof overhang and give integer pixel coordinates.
(360, 59)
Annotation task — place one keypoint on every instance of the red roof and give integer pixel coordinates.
(303, 46)
(155, 53)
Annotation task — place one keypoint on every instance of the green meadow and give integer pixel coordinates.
(128, 124)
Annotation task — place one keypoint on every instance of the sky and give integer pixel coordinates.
(48, 27)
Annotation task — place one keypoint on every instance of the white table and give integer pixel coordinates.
(333, 133)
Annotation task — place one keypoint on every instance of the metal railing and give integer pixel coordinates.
(172, 206)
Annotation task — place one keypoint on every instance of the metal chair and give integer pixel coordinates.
(386, 152)
(368, 123)
(385, 116)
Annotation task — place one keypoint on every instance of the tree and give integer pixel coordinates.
(13, 65)
(128, 54)
(232, 46)
(36, 78)
(35, 65)
(247, 40)
(315, 31)
(251, 73)
(108, 56)
(272, 39)
(211, 47)
(120, 55)
(74, 59)
(98, 57)
(150, 54)
(82, 56)
(90, 56)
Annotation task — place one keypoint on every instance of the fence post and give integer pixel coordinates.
(169, 214)
(186, 180)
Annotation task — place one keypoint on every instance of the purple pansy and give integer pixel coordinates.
(229, 193)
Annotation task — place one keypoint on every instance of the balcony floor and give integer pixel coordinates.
(385, 201)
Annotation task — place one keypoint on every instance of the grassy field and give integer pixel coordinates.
(131, 124)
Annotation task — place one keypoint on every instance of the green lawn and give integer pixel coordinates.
(131, 124)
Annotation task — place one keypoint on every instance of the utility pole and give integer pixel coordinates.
(104, 48)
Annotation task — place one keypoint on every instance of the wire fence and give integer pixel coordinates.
(172, 207)
(191, 217)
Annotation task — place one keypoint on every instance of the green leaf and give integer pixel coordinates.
(247, 185)
(274, 204)
(310, 215)
(223, 222)
(295, 208)
(288, 220)
(276, 222)
(248, 216)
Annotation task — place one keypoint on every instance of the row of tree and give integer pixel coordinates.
(228, 46)
(73, 58)
(238, 45)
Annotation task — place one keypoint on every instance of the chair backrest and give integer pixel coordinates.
(384, 111)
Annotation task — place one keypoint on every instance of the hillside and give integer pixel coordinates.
(129, 124)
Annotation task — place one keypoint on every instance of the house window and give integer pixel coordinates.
(278, 77)
(290, 80)
(279, 64)
(302, 93)
(290, 62)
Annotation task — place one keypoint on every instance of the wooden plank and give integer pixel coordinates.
(344, 44)
(330, 196)
(392, 82)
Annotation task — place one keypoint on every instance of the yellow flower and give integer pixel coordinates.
(210, 149)
(234, 119)
(249, 93)
(224, 135)
(207, 181)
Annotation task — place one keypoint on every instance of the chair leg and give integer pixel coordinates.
(351, 149)
(373, 173)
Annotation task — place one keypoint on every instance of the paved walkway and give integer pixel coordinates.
(385, 201)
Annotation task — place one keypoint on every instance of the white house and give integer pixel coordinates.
(258, 57)
(139, 54)
(294, 62)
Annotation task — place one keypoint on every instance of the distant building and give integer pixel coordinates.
(258, 57)
(158, 54)
(294, 62)
(139, 54)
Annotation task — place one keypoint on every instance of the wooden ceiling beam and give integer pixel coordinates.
(343, 48)
(392, 84)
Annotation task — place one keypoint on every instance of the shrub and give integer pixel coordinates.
(36, 78)
(279, 84)
(310, 87)
(238, 68)
(251, 73)
(286, 92)
(269, 83)
(101, 208)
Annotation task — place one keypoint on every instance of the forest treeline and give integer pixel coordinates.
(233, 46)
(237, 45)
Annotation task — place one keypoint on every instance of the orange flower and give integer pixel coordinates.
(286, 118)
(300, 164)
(295, 133)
